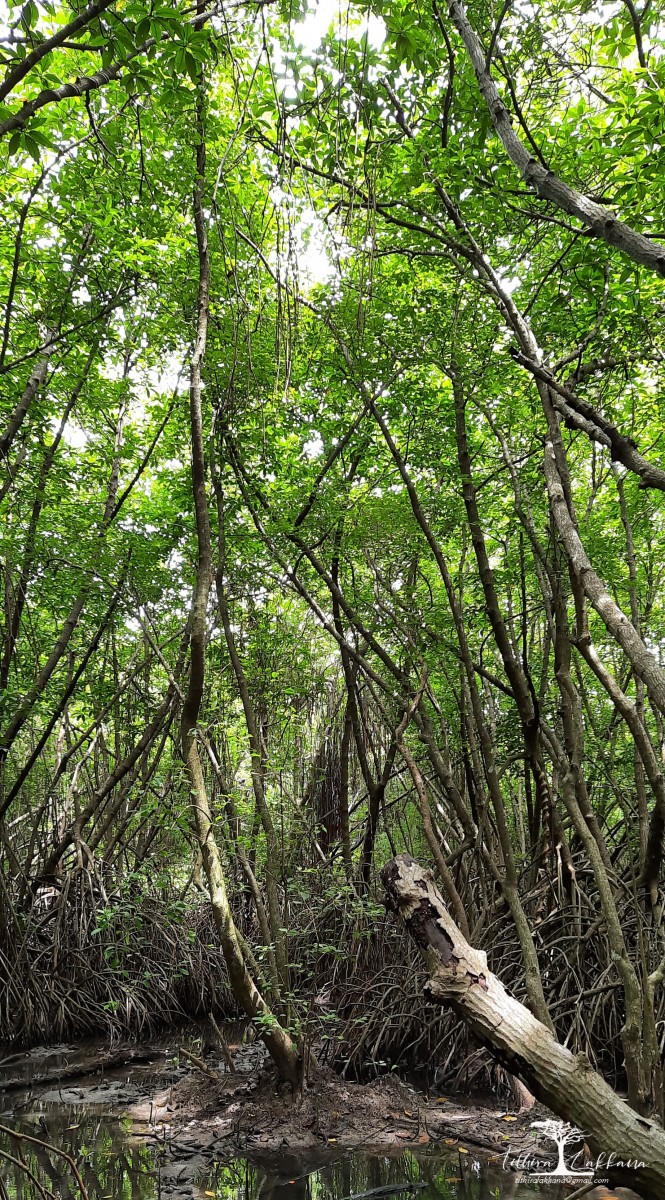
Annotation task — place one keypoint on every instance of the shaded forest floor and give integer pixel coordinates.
(167, 1098)
(208, 1111)
(194, 1116)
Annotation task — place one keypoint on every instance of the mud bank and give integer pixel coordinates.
(185, 1121)
(386, 1115)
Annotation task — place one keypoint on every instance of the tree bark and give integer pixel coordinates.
(258, 769)
(14, 77)
(643, 661)
(35, 382)
(598, 220)
(276, 1039)
(565, 1082)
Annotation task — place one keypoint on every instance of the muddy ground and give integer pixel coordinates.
(256, 1112)
(195, 1114)
(254, 1115)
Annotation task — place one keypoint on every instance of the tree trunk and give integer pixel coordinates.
(565, 1082)
(276, 1039)
(599, 220)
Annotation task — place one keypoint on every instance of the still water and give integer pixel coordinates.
(116, 1165)
(119, 1160)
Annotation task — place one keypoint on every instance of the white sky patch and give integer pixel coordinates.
(167, 375)
(72, 434)
(603, 13)
(311, 243)
(309, 32)
(510, 283)
(376, 31)
(313, 447)
(314, 254)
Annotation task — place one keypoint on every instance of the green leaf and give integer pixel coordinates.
(30, 144)
(192, 66)
(30, 14)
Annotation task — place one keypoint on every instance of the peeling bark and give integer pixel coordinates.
(460, 979)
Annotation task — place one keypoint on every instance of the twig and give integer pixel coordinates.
(582, 1191)
(223, 1045)
(199, 1063)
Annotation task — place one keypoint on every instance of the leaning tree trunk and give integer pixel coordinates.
(460, 979)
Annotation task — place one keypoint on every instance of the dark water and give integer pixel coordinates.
(117, 1163)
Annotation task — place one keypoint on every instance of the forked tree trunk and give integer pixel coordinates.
(565, 1082)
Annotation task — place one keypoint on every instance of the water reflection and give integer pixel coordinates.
(112, 1165)
(115, 1164)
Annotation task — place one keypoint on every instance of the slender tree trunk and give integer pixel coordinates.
(344, 829)
(35, 382)
(644, 662)
(257, 754)
(432, 840)
(276, 1039)
(510, 890)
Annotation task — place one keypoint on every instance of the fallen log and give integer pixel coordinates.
(630, 1148)
(81, 1070)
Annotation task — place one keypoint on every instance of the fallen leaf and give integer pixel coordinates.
(461, 1150)
(509, 1118)
(332, 1139)
(403, 1133)
(442, 1099)
(407, 1112)
(72, 1127)
(423, 1139)
(450, 1141)
(210, 1193)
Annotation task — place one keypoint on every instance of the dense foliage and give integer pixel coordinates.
(431, 424)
